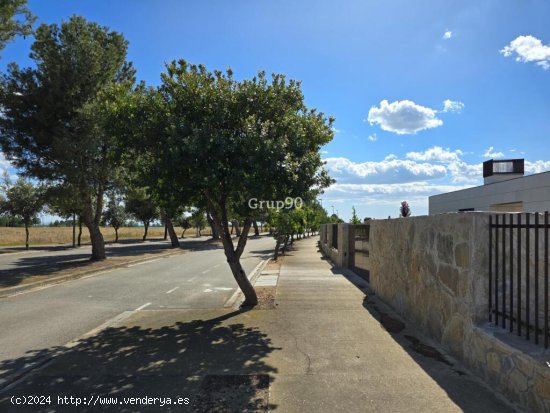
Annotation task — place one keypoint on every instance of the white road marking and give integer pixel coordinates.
(172, 290)
(191, 279)
(142, 307)
(205, 271)
(143, 262)
(224, 288)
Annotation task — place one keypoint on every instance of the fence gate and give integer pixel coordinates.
(518, 274)
(359, 249)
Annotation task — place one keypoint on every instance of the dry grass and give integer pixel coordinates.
(64, 235)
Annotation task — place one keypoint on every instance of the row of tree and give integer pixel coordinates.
(77, 122)
(22, 202)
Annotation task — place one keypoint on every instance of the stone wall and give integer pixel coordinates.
(434, 271)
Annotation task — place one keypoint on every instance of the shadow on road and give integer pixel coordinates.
(170, 361)
(57, 259)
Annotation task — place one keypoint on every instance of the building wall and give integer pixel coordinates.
(533, 191)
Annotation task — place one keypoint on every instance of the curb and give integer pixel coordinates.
(16, 290)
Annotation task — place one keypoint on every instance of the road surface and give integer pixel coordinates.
(34, 322)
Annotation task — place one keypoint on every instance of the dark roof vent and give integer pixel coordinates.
(502, 169)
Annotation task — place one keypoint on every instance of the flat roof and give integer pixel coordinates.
(492, 183)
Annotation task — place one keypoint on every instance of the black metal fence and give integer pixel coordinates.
(518, 274)
(335, 236)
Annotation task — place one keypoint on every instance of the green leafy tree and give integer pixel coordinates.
(114, 215)
(141, 206)
(404, 209)
(198, 220)
(354, 218)
(15, 20)
(219, 142)
(335, 219)
(54, 126)
(185, 223)
(24, 201)
(63, 200)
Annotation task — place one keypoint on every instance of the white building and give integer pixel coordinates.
(505, 189)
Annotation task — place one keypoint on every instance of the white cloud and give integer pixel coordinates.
(403, 117)
(373, 137)
(463, 172)
(388, 182)
(436, 153)
(447, 35)
(452, 106)
(537, 167)
(528, 49)
(491, 153)
(390, 170)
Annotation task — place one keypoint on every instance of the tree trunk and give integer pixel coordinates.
(91, 221)
(215, 233)
(285, 245)
(26, 236)
(277, 248)
(96, 238)
(79, 231)
(74, 230)
(251, 299)
(235, 224)
(183, 233)
(233, 255)
(172, 232)
(256, 230)
(146, 225)
(116, 234)
(165, 231)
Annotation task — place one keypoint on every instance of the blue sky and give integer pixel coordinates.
(423, 92)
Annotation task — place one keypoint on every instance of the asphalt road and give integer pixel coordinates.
(33, 323)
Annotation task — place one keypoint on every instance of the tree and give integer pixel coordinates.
(15, 20)
(140, 205)
(185, 223)
(114, 215)
(54, 126)
(354, 218)
(63, 200)
(198, 220)
(404, 209)
(222, 142)
(24, 201)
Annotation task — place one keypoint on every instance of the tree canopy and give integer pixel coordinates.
(220, 142)
(23, 201)
(15, 20)
(53, 126)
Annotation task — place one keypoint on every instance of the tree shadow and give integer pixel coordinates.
(170, 361)
(44, 266)
(462, 387)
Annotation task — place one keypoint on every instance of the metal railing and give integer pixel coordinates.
(517, 300)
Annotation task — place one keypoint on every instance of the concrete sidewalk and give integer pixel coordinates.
(323, 347)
